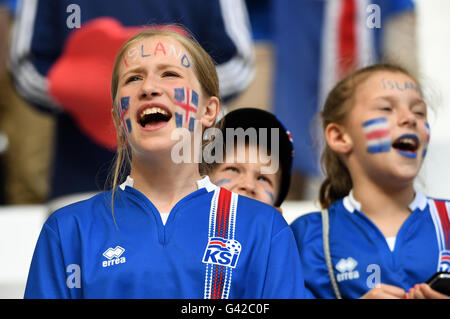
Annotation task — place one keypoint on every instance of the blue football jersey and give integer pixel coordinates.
(215, 244)
(361, 255)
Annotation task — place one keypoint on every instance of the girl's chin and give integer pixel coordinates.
(154, 145)
(402, 178)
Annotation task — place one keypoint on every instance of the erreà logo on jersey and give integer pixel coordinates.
(114, 256)
(223, 252)
(346, 267)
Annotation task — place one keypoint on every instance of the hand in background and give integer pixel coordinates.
(424, 291)
(384, 291)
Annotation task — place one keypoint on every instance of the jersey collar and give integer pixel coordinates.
(351, 204)
(206, 183)
(202, 183)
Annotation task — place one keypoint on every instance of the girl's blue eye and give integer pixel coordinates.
(232, 168)
(132, 78)
(264, 179)
(170, 74)
(420, 111)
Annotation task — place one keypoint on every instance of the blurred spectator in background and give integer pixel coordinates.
(317, 43)
(25, 134)
(4, 21)
(61, 60)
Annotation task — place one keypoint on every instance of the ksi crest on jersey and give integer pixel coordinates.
(223, 252)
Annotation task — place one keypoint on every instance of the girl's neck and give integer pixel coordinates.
(372, 197)
(165, 182)
(386, 207)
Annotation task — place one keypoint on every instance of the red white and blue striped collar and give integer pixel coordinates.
(351, 204)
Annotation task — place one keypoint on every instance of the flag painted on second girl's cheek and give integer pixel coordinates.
(378, 135)
(427, 126)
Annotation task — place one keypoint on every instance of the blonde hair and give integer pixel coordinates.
(338, 183)
(203, 67)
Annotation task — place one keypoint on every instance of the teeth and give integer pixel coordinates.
(154, 110)
(408, 141)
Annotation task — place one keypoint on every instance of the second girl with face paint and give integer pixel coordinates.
(385, 238)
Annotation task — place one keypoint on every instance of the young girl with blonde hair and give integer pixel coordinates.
(165, 232)
(376, 237)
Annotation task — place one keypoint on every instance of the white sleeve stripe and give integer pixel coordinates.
(328, 53)
(233, 76)
(447, 205)
(437, 224)
(237, 72)
(365, 41)
(232, 217)
(237, 25)
(30, 83)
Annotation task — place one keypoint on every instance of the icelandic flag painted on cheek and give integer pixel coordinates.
(123, 111)
(187, 99)
(378, 135)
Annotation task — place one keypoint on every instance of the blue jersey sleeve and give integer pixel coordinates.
(47, 277)
(284, 278)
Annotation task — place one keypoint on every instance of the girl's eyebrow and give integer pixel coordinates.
(141, 69)
(168, 66)
(416, 100)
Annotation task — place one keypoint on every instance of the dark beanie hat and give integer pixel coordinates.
(252, 117)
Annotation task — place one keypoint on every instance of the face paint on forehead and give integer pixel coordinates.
(399, 85)
(158, 49)
(187, 100)
(378, 135)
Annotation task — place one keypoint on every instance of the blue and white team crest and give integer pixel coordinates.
(444, 261)
(223, 252)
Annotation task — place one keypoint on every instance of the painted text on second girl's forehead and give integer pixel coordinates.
(156, 47)
(387, 82)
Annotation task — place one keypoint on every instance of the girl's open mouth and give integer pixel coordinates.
(407, 145)
(153, 117)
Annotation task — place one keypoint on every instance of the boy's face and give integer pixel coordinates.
(245, 177)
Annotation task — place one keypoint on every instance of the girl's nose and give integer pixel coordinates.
(149, 89)
(407, 118)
